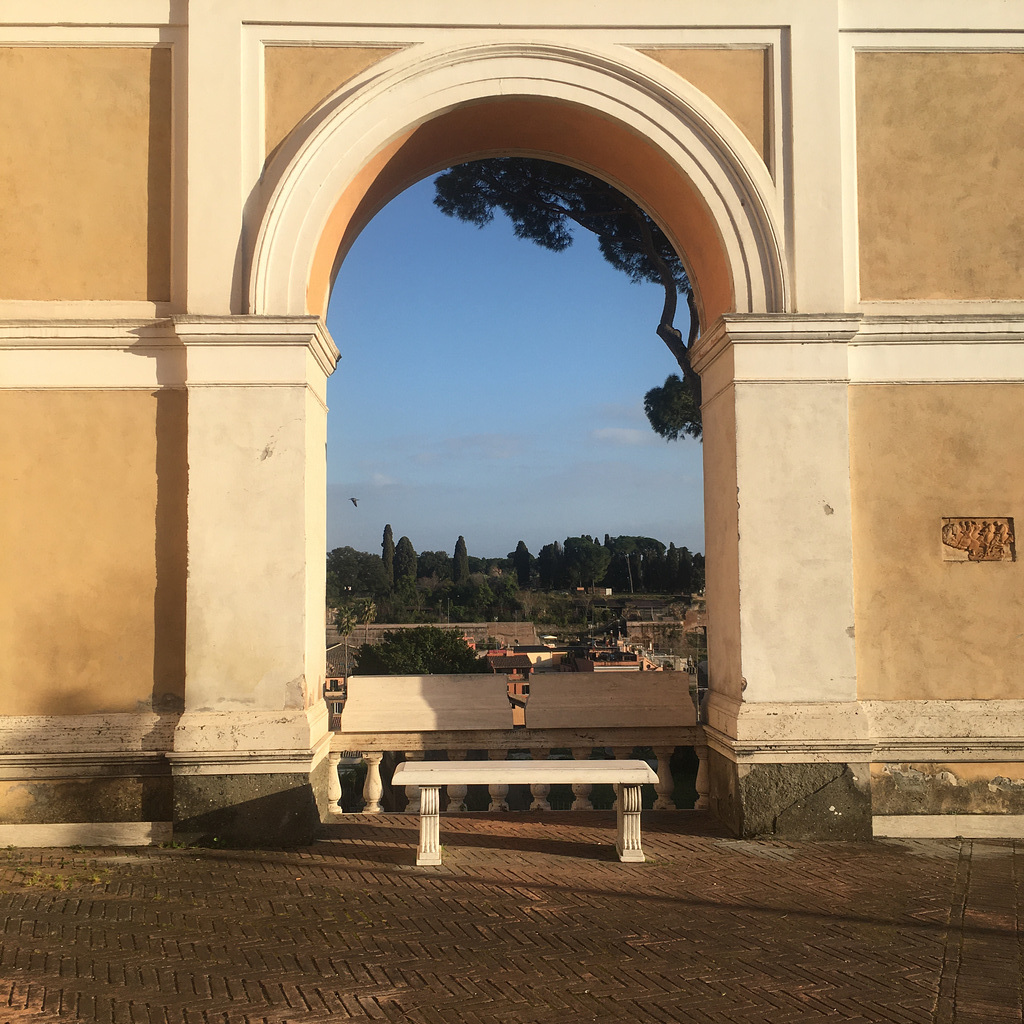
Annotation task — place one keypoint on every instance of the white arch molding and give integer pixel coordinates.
(323, 155)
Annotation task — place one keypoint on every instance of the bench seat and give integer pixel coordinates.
(626, 776)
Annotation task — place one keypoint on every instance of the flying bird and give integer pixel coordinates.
(355, 501)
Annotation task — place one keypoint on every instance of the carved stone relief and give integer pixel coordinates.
(978, 539)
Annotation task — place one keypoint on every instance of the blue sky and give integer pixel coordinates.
(492, 389)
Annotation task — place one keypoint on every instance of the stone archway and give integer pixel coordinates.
(663, 143)
(686, 163)
(163, 359)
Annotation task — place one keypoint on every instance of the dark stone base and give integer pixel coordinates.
(791, 801)
(251, 810)
(110, 798)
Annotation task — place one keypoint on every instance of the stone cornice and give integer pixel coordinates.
(172, 352)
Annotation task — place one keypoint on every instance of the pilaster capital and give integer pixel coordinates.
(267, 350)
(782, 347)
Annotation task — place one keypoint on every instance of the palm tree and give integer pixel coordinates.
(345, 620)
(366, 610)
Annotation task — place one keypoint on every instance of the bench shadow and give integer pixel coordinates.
(387, 842)
(392, 839)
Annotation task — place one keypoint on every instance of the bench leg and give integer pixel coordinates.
(430, 846)
(627, 842)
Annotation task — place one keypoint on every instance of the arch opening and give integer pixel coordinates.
(518, 363)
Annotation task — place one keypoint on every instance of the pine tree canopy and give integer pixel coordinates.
(544, 201)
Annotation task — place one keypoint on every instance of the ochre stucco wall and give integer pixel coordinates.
(940, 160)
(85, 173)
(928, 628)
(92, 569)
(734, 79)
(297, 78)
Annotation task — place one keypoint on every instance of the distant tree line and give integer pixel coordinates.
(406, 586)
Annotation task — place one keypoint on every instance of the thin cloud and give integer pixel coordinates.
(622, 436)
(490, 447)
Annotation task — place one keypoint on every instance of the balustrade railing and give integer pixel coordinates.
(449, 716)
(456, 795)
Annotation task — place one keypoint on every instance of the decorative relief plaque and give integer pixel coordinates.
(978, 539)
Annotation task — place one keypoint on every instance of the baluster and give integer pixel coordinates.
(703, 803)
(373, 788)
(539, 790)
(412, 793)
(621, 754)
(665, 786)
(457, 790)
(581, 790)
(334, 783)
(498, 790)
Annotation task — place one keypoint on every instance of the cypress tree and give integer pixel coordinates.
(388, 549)
(405, 562)
(460, 563)
(521, 560)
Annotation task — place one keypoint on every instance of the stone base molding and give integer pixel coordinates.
(948, 826)
(251, 777)
(81, 746)
(250, 742)
(861, 768)
(87, 833)
(865, 731)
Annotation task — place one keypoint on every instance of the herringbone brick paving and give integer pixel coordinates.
(531, 918)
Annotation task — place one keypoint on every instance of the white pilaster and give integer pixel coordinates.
(215, 186)
(256, 533)
(787, 583)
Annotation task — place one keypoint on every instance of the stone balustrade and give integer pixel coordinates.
(434, 716)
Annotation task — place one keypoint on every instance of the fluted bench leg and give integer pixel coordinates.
(627, 812)
(430, 836)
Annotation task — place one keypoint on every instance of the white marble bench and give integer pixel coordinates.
(626, 776)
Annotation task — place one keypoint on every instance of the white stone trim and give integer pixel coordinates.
(74, 765)
(328, 151)
(858, 349)
(133, 31)
(250, 762)
(258, 351)
(56, 735)
(103, 310)
(87, 833)
(216, 190)
(37, 747)
(934, 349)
(860, 731)
(772, 349)
(90, 355)
(947, 826)
(250, 742)
(169, 353)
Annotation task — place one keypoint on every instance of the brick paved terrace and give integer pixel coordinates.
(531, 918)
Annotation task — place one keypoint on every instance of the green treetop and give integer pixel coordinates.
(424, 650)
(543, 200)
